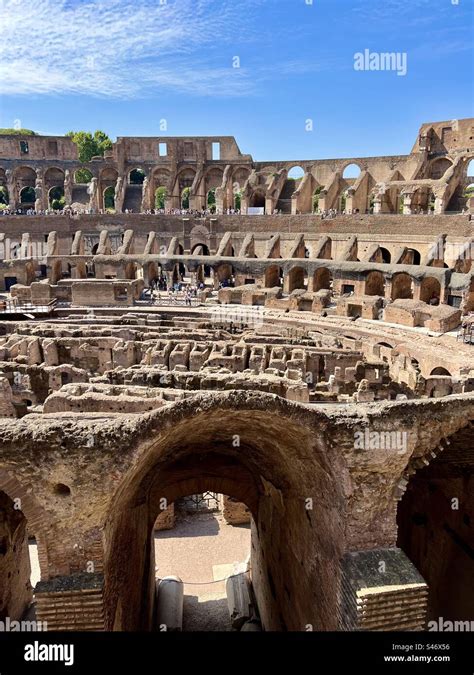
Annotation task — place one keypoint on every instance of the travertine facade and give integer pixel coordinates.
(435, 172)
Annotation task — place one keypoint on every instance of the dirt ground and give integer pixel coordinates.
(203, 550)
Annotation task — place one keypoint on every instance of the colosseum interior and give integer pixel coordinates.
(309, 355)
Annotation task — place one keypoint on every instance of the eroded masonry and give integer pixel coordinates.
(318, 372)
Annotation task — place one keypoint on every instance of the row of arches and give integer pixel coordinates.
(265, 471)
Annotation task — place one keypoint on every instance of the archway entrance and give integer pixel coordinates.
(15, 588)
(435, 528)
(250, 454)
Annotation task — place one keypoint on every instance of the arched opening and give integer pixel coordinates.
(296, 172)
(25, 177)
(257, 200)
(402, 286)
(273, 276)
(82, 176)
(295, 576)
(322, 278)
(131, 269)
(205, 270)
(435, 527)
(16, 592)
(27, 196)
(211, 200)
(56, 197)
(375, 284)
(430, 291)
(316, 195)
(439, 167)
(136, 177)
(185, 197)
(237, 196)
(161, 195)
(351, 171)
(440, 371)
(221, 525)
(385, 255)
(4, 197)
(412, 257)
(297, 278)
(109, 198)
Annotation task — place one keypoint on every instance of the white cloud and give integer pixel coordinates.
(121, 48)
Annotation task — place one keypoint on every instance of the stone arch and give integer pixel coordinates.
(17, 502)
(322, 278)
(27, 195)
(108, 197)
(402, 286)
(439, 167)
(439, 370)
(273, 276)
(26, 176)
(185, 178)
(296, 172)
(351, 170)
(430, 290)
(297, 278)
(375, 283)
(385, 255)
(136, 176)
(56, 197)
(82, 175)
(200, 249)
(412, 257)
(257, 200)
(189, 448)
(213, 178)
(433, 516)
(239, 176)
(53, 176)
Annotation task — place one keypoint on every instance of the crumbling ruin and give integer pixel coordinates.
(315, 377)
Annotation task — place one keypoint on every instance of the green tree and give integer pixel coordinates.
(21, 132)
(237, 199)
(185, 198)
(56, 198)
(211, 200)
(109, 199)
(89, 145)
(160, 197)
(316, 198)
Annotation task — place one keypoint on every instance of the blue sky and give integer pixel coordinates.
(124, 65)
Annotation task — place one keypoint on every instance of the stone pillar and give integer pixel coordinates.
(381, 590)
(12, 189)
(407, 198)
